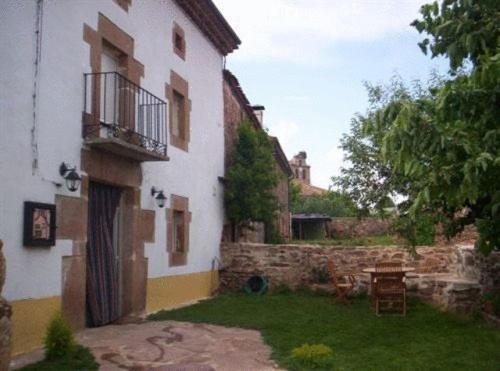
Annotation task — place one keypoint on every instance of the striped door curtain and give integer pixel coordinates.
(102, 276)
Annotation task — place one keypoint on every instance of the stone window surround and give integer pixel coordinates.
(72, 224)
(178, 32)
(177, 203)
(110, 35)
(108, 32)
(180, 86)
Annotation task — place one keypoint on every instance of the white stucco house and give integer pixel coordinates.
(122, 100)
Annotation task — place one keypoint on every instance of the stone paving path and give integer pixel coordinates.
(177, 346)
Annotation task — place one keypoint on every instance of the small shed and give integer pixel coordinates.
(309, 226)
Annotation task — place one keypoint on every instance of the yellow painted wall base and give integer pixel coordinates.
(173, 291)
(30, 318)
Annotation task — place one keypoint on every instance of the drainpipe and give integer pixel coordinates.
(36, 73)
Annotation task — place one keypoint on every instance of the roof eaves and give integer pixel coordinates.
(242, 98)
(212, 23)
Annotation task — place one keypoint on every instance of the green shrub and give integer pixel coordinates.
(81, 359)
(273, 235)
(418, 232)
(59, 341)
(312, 356)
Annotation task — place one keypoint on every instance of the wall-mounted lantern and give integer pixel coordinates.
(158, 196)
(72, 178)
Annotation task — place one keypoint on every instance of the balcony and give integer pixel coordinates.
(123, 118)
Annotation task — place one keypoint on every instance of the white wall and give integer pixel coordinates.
(36, 272)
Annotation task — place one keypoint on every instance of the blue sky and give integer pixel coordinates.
(306, 60)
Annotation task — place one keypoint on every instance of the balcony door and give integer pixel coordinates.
(110, 63)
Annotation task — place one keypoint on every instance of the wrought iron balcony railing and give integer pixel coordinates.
(115, 107)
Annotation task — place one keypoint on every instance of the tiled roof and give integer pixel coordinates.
(311, 216)
(242, 98)
(308, 189)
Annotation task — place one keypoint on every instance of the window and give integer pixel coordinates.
(178, 237)
(179, 111)
(178, 41)
(178, 119)
(178, 220)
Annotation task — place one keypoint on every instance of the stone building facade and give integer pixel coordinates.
(301, 170)
(302, 175)
(129, 96)
(237, 109)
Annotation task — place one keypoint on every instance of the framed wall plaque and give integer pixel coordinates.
(39, 224)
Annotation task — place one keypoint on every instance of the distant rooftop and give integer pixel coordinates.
(311, 217)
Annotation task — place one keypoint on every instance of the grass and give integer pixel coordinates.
(384, 240)
(80, 359)
(425, 339)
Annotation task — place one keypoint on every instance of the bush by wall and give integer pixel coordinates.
(59, 341)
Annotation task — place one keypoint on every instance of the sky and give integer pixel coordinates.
(306, 61)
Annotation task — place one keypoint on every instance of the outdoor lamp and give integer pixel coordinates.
(158, 196)
(72, 178)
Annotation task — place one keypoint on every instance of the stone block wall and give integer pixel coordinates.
(477, 267)
(467, 237)
(354, 227)
(451, 277)
(295, 265)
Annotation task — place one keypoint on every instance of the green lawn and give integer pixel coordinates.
(423, 340)
(384, 240)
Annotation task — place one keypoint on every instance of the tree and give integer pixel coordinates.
(251, 179)
(453, 152)
(331, 203)
(369, 180)
(440, 143)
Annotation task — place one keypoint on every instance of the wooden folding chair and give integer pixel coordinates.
(390, 287)
(343, 283)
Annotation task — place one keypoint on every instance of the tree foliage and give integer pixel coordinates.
(331, 203)
(439, 145)
(455, 153)
(368, 179)
(251, 179)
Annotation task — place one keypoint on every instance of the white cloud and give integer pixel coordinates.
(334, 160)
(286, 131)
(327, 166)
(300, 31)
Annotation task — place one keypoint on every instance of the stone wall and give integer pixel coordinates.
(5, 321)
(448, 276)
(467, 237)
(294, 265)
(354, 227)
